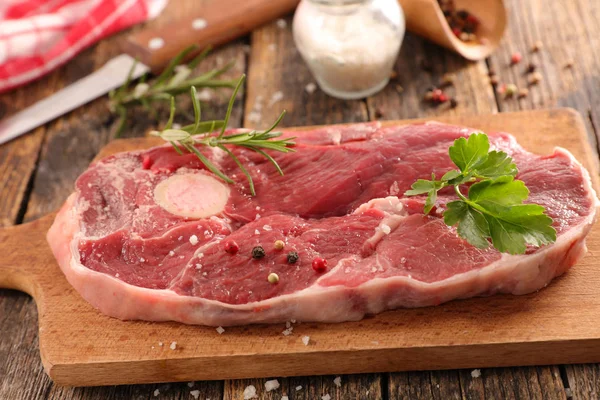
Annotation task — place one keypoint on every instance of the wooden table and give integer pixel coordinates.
(37, 172)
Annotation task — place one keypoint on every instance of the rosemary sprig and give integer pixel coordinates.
(174, 80)
(183, 139)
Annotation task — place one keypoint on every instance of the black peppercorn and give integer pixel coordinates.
(258, 252)
(292, 257)
(462, 14)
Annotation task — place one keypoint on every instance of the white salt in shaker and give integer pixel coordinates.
(350, 46)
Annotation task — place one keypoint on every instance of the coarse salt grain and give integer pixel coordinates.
(195, 393)
(256, 232)
(199, 23)
(310, 88)
(173, 345)
(190, 384)
(288, 331)
(117, 275)
(267, 227)
(281, 23)
(385, 229)
(180, 238)
(568, 393)
(254, 116)
(288, 324)
(326, 397)
(277, 96)
(198, 267)
(298, 388)
(160, 343)
(250, 392)
(271, 385)
(142, 259)
(476, 373)
(338, 381)
(171, 253)
(220, 330)
(285, 398)
(156, 43)
(305, 340)
(156, 392)
(204, 95)
(193, 240)
(394, 189)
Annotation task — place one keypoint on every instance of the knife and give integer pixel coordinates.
(214, 23)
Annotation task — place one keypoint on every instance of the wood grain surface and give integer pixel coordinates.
(482, 332)
(37, 172)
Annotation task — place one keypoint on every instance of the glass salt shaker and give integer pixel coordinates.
(350, 46)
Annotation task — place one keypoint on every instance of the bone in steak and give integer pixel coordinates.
(151, 234)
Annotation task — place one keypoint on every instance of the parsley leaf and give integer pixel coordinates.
(423, 186)
(472, 225)
(493, 210)
(468, 153)
(497, 164)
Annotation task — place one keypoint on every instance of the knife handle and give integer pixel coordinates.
(215, 23)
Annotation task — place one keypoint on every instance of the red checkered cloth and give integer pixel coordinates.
(37, 36)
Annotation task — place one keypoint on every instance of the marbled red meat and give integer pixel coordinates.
(341, 200)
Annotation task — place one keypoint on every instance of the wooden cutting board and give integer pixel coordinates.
(81, 347)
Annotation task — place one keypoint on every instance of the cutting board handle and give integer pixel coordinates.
(214, 23)
(23, 255)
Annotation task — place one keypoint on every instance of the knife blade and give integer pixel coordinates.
(213, 23)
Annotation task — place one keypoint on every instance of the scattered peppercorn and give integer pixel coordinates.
(510, 90)
(516, 58)
(292, 257)
(273, 278)
(569, 64)
(258, 252)
(399, 88)
(494, 80)
(523, 92)
(319, 264)
(447, 80)
(435, 96)
(231, 247)
(537, 46)
(535, 78)
(453, 103)
(393, 75)
(279, 245)
(462, 23)
(378, 113)
(530, 68)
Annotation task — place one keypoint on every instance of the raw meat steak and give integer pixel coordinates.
(151, 234)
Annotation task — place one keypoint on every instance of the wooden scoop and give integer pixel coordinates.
(425, 18)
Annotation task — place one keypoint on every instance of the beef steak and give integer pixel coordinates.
(153, 235)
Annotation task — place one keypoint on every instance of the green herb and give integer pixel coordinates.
(493, 208)
(174, 80)
(183, 139)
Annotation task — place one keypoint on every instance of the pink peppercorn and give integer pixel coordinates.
(319, 264)
(231, 247)
(516, 58)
